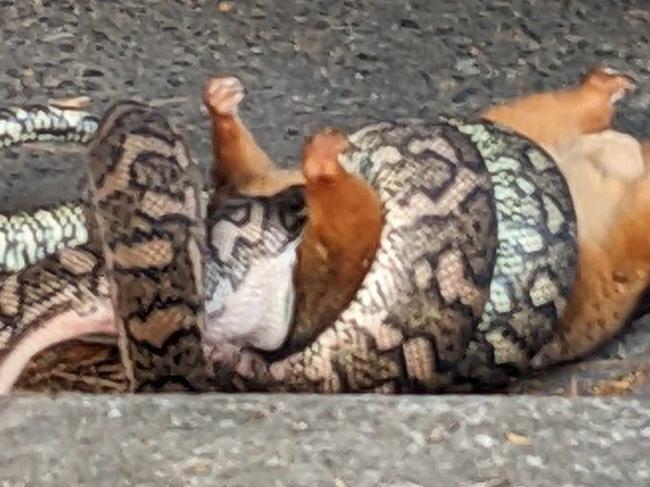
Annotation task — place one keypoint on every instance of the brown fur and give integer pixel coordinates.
(342, 236)
(613, 211)
(239, 163)
(344, 212)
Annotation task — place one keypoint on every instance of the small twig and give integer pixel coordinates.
(72, 103)
(55, 148)
(91, 381)
(58, 36)
(174, 100)
(501, 481)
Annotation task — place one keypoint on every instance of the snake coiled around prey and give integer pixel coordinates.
(476, 259)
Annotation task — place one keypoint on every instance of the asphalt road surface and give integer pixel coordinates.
(306, 64)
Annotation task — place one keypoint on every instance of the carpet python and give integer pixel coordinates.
(476, 259)
(144, 199)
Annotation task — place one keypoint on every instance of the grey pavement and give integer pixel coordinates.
(352, 441)
(306, 64)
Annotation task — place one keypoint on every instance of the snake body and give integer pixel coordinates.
(27, 237)
(476, 259)
(145, 192)
(69, 289)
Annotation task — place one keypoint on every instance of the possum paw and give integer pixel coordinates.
(321, 152)
(222, 95)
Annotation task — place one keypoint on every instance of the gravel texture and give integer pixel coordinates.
(304, 63)
(324, 441)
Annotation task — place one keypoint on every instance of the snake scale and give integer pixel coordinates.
(476, 259)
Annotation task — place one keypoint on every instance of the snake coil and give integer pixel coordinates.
(476, 260)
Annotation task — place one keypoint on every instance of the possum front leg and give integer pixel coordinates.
(239, 163)
(259, 314)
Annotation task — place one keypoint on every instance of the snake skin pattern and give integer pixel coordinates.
(252, 241)
(466, 205)
(26, 237)
(536, 262)
(476, 259)
(145, 191)
(71, 285)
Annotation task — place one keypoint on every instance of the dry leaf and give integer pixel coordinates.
(643, 15)
(224, 7)
(437, 435)
(493, 482)
(621, 386)
(517, 439)
(173, 100)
